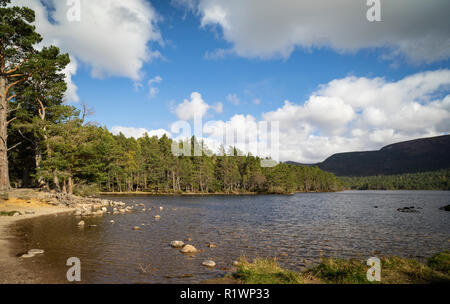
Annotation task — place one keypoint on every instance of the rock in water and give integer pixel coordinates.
(27, 255)
(407, 209)
(209, 263)
(136, 228)
(176, 244)
(211, 245)
(157, 217)
(35, 251)
(189, 249)
(161, 208)
(235, 263)
(81, 224)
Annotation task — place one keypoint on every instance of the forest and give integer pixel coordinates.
(49, 144)
(435, 180)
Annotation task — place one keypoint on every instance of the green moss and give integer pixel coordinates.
(266, 271)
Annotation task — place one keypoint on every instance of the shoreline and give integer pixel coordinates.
(11, 267)
(29, 204)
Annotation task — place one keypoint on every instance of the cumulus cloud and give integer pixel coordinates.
(111, 37)
(354, 113)
(417, 30)
(138, 132)
(196, 107)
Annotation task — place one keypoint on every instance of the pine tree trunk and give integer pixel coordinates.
(4, 173)
(70, 185)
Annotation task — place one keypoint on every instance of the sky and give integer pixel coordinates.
(333, 80)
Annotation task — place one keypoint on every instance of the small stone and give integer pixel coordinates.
(188, 239)
(189, 249)
(161, 208)
(236, 263)
(211, 245)
(136, 228)
(81, 224)
(111, 221)
(35, 251)
(16, 214)
(27, 255)
(177, 244)
(157, 217)
(209, 263)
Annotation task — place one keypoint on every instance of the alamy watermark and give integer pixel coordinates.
(374, 12)
(74, 272)
(374, 272)
(74, 11)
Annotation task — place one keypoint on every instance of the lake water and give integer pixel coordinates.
(298, 229)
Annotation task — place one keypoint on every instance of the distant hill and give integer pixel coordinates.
(420, 155)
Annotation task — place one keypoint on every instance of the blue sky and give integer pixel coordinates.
(185, 69)
(266, 63)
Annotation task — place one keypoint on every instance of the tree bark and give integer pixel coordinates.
(70, 185)
(4, 171)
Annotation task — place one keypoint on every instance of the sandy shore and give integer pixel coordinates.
(12, 270)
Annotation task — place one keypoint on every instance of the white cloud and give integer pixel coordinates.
(233, 98)
(71, 92)
(196, 107)
(111, 38)
(218, 107)
(418, 30)
(353, 114)
(138, 132)
(153, 91)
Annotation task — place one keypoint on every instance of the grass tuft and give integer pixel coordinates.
(266, 271)
(440, 262)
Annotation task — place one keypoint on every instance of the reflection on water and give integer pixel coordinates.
(298, 229)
